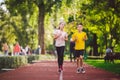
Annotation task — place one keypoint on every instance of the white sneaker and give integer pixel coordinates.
(82, 70)
(78, 70)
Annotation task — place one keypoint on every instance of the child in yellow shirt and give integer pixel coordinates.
(79, 37)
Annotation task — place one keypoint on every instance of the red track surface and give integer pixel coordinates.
(47, 70)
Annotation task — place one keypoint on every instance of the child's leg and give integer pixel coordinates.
(70, 56)
(78, 62)
(62, 57)
(58, 54)
(81, 61)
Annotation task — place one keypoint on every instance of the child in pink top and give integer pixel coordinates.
(60, 37)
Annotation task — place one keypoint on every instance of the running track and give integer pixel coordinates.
(47, 70)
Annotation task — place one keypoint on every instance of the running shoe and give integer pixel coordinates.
(82, 70)
(78, 70)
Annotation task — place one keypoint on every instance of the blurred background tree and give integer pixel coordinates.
(33, 22)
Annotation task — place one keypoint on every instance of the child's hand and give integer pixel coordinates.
(66, 38)
(59, 34)
(85, 38)
(76, 38)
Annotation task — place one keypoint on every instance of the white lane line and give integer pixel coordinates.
(61, 76)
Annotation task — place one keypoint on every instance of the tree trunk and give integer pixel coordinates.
(95, 46)
(105, 36)
(41, 27)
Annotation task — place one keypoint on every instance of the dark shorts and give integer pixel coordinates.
(78, 53)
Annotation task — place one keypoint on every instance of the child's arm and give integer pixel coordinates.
(74, 38)
(66, 38)
(85, 37)
(56, 35)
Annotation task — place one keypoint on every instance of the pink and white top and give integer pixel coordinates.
(60, 41)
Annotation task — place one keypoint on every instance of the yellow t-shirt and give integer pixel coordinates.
(78, 37)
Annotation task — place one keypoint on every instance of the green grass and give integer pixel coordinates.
(115, 68)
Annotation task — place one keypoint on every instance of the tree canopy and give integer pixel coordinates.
(32, 22)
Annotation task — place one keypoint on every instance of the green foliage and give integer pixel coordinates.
(106, 66)
(17, 61)
(20, 21)
(6, 30)
(101, 18)
(12, 61)
(32, 58)
(17, 24)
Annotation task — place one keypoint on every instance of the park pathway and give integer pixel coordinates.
(47, 70)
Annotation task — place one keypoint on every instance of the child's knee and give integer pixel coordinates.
(81, 57)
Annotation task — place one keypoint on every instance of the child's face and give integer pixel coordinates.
(62, 25)
(80, 27)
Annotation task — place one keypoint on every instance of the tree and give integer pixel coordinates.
(44, 6)
(6, 30)
(20, 13)
(104, 18)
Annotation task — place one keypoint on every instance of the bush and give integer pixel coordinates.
(33, 57)
(12, 61)
(16, 61)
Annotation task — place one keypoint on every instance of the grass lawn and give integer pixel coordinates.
(115, 68)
